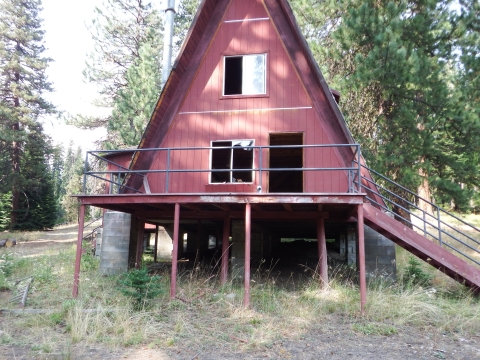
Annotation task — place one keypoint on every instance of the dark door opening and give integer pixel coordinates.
(286, 180)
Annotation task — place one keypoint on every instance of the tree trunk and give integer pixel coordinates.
(424, 192)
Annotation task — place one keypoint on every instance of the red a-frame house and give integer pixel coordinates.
(247, 130)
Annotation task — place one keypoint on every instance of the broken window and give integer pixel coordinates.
(234, 158)
(244, 75)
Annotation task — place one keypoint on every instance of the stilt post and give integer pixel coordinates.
(246, 299)
(139, 250)
(361, 257)
(322, 252)
(225, 246)
(173, 280)
(78, 257)
(156, 245)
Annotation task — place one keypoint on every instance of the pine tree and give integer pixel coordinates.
(73, 182)
(127, 62)
(23, 83)
(121, 28)
(396, 66)
(137, 100)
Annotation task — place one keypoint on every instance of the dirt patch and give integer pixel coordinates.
(333, 340)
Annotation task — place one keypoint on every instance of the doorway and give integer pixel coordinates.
(292, 158)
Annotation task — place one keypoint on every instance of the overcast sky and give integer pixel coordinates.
(68, 42)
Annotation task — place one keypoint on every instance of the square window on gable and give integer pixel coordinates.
(244, 75)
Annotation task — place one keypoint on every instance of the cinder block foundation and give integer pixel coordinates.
(115, 243)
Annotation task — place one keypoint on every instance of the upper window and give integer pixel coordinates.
(244, 75)
(234, 159)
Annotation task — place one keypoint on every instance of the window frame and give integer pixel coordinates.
(265, 76)
(231, 169)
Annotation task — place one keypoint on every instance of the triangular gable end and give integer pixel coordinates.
(295, 86)
(204, 27)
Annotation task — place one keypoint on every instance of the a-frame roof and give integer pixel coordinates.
(201, 34)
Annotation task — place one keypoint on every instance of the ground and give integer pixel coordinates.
(335, 338)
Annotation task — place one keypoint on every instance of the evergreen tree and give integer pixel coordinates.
(136, 101)
(73, 182)
(121, 28)
(38, 208)
(126, 65)
(23, 83)
(396, 66)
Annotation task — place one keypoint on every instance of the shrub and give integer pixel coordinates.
(414, 274)
(138, 285)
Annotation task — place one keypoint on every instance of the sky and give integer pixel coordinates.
(68, 41)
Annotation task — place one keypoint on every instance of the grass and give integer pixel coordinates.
(207, 314)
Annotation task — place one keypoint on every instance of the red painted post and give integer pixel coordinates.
(322, 253)
(139, 253)
(225, 246)
(156, 245)
(173, 280)
(246, 298)
(78, 258)
(361, 257)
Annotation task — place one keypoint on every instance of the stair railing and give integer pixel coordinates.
(90, 236)
(431, 224)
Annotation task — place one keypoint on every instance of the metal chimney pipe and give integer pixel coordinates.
(168, 39)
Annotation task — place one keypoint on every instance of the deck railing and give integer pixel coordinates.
(462, 239)
(121, 178)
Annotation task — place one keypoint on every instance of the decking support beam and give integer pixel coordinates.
(139, 250)
(248, 212)
(322, 253)
(225, 248)
(173, 280)
(78, 257)
(361, 257)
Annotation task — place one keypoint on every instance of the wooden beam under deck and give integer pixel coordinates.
(220, 198)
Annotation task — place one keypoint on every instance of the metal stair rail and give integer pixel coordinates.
(90, 235)
(431, 225)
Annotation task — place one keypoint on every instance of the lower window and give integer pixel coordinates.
(232, 162)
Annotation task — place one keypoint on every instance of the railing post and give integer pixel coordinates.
(359, 176)
(167, 176)
(350, 188)
(260, 164)
(439, 226)
(118, 183)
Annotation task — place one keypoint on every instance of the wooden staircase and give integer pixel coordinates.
(454, 250)
(428, 251)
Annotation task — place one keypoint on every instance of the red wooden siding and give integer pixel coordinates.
(205, 116)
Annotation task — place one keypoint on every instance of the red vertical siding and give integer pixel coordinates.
(205, 116)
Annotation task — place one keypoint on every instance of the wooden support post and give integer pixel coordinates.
(78, 257)
(361, 257)
(225, 248)
(322, 253)
(139, 250)
(248, 212)
(173, 280)
(156, 245)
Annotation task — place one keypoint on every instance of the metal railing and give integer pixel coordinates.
(121, 178)
(430, 224)
(90, 234)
